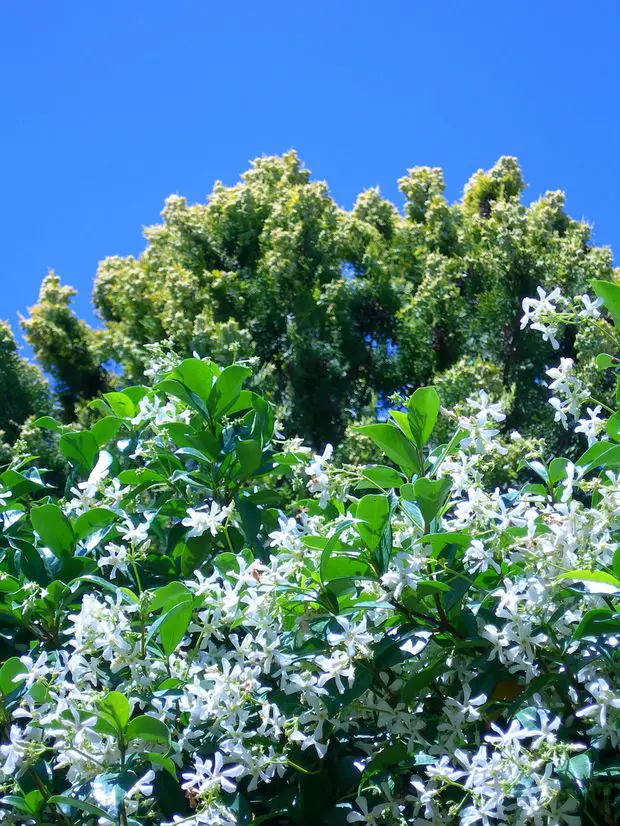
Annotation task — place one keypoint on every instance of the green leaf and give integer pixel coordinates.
(610, 293)
(538, 468)
(250, 455)
(374, 511)
(430, 496)
(380, 476)
(198, 376)
(422, 411)
(82, 805)
(47, 423)
(579, 768)
(141, 476)
(16, 802)
(227, 389)
(105, 429)
(346, 567)
(603, 362)
(31, 562)
(420, 680)
(135, 393)
(597, 621)
(149, 729)
(599, 582)
(115, 708)
(412, 512)
(159, 760)
(168, 595)
(331, 545)
(431, 586)
(121, 405)
(439, 541)
(11, 669)
(93, 520)
(600, 454)
(53, 528)
(612, 425)
(387, 758)
(80, 449)
(402, 421)
(394, 444)
(557, 470)
(174, 625)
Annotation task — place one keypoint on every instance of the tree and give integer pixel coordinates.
(64, 345)
(364, 302)
(24, 392)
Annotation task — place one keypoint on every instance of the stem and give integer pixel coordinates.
(602, 404)
(301, 769)
(136, 574)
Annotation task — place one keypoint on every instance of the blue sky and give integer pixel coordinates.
(107, 108)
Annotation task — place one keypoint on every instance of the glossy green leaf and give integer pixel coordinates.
(380, 476)
(250, 455)
(150, 729)
(373, 513)
(169, 595)
(227, 389)
(174, 625)
(9, 670)
(597, 621)
(53, 528)
(115, 707)
(82, 805)
(610, 293)
(106, 429)
(48, 423)
(394, 444)
(430, 496)
(93, 520)
(120, 404)
(612, 425)
(599, 582)
(422, 412)
(605, 361)
(81, 449)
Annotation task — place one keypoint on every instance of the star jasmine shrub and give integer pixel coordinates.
(215, 625)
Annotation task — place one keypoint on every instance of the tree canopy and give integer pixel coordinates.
(365, 302)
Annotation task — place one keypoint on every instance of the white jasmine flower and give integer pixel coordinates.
(200, 520)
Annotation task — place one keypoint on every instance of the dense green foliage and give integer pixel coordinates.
(362, 303)
(214, 627)
(24, 396)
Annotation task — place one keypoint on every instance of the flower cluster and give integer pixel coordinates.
(186, 645)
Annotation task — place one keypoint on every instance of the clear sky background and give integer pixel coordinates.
(108, 107)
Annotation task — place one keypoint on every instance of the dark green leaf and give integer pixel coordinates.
(249, 452)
